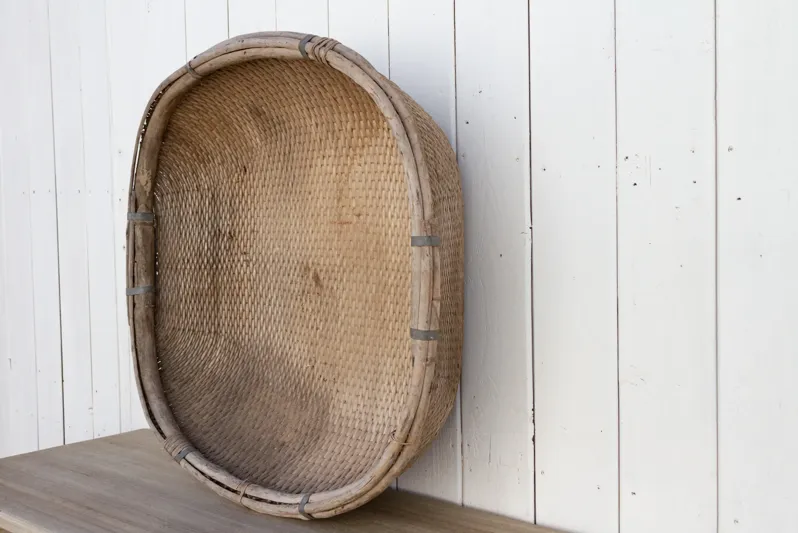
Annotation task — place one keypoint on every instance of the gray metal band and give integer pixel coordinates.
(303, 43)
(424, 334)
(185, 451)
(425, 240)
(194, 74)
(133, 291)
(141, 217)
(302, 503)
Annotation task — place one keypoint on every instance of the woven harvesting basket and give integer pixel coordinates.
(295, 274)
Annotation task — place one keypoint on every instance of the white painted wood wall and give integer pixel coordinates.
(631, 352)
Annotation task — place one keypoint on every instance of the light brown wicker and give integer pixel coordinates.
(295, 274)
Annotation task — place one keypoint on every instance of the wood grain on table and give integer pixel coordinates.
(126, 483)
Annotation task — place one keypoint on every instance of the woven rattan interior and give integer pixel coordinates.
(284, 275)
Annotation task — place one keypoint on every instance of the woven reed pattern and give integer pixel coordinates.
(275, 357)
(277, 340)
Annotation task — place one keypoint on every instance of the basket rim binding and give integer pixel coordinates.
(405, 441)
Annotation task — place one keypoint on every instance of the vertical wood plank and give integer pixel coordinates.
(572, 63)
(363, 26)
(249, 16)
(163, 26)
(6, 446)
(757, 265)
(98, 205)
(128, 97)
(30, 394)
(303, 16)
(44, 227)
(206, 25)
(666, 265)
(493, 152)
(422, 64)
(86, 254)
(65, 36)
(19, 428)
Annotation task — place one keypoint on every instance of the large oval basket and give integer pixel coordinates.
(295, 274)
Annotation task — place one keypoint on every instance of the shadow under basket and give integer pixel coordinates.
(295, 274)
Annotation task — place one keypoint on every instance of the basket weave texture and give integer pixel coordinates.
(295, 274)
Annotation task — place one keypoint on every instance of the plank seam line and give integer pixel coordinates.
(534, 458)
(617, 271)
(57, 235)
(461, 465)
(85, 236)
(112, 206)
(388, 22)
(717, 349)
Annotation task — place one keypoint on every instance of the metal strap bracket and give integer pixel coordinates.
(303, 44)
(193, 73)
(141, 217)
(302, 503)
(424, 334)
(425, 240)
(184, 452)
(133, 291)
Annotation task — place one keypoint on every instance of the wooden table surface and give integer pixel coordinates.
(126, 483)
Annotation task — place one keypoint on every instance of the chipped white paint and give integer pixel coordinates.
(528, 95)
(757, 266)
(573, 213)
(666, 265)
(493, 153)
